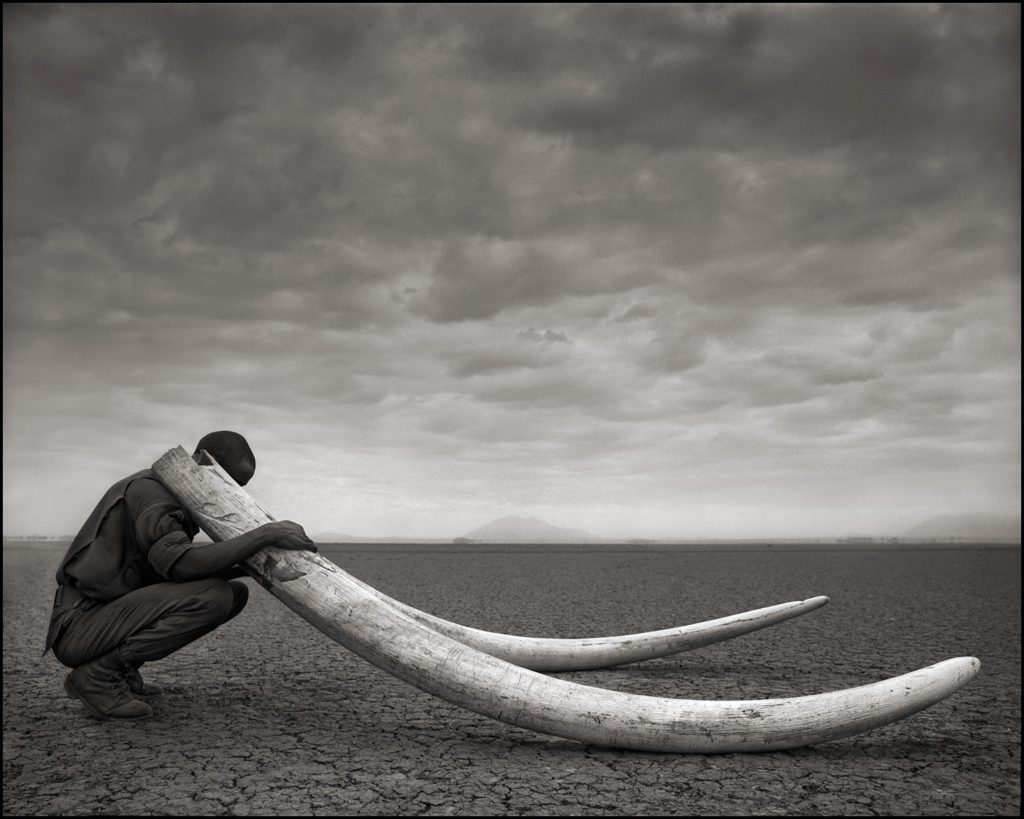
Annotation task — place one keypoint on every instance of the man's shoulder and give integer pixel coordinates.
(144, 486)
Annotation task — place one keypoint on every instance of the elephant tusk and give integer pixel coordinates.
(558, 654)
(325, 597)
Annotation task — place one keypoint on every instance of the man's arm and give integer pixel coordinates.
(232, 573)
(209, 559)
(164, 530)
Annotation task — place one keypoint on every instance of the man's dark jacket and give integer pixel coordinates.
(132, 539)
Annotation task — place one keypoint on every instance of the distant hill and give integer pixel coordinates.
(528, 530)
(968, 527)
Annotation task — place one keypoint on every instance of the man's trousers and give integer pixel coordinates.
(149, 623)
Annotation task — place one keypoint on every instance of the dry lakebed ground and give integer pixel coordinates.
(267, 716)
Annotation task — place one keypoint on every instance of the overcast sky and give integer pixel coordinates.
(649, 271)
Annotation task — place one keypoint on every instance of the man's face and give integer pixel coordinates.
(242, 472)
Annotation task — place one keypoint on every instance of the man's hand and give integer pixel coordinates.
(287, 534)
(208, 559)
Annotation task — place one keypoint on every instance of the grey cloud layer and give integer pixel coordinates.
(202, 134)
(521, 241)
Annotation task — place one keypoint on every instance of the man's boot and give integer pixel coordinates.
(102, 688)
(138, 686)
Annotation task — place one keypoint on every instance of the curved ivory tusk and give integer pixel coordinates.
(325, 597)
(379, 633)
(556, 654)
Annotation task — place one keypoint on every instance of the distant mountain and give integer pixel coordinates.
(968, 527)
(527, 530)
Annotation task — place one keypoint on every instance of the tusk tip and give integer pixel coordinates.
(963, 669)
(816, 602)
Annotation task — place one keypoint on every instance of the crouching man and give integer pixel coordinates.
(133, 587)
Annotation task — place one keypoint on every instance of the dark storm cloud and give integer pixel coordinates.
(807, 79)
(636, 312)
(495, 359)
(476, 278)
(549, 335)
(849, 125)
(206, 132)
(165, 156)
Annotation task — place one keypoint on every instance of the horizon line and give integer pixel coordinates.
(637, 541)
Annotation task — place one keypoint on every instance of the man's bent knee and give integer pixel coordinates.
(213, 597)
(240, 595)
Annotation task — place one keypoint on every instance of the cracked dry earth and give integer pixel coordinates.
(267, 716)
